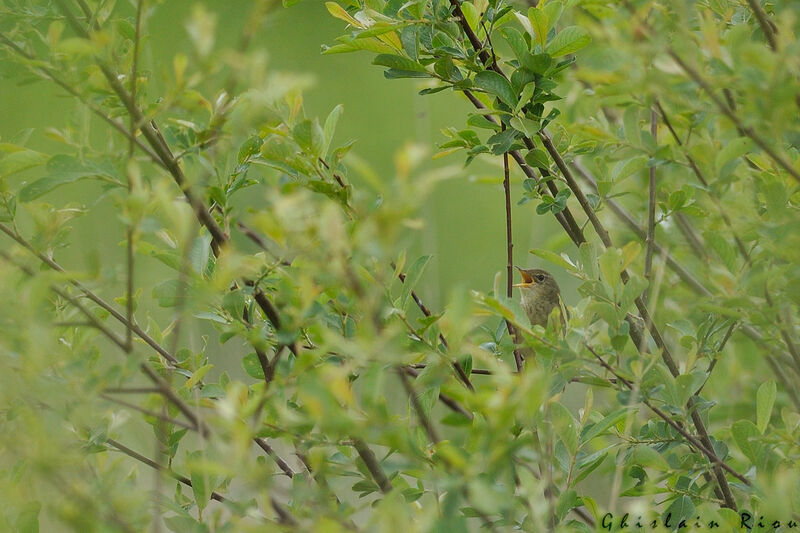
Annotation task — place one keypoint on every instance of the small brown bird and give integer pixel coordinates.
(539, 295)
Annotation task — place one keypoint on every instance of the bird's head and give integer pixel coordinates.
(538, 283)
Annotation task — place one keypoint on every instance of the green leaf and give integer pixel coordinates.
(626, 167)
(610, 263)
(681, 508)
(554, 258)
(540, 23)
(536, 63)
(167, 293)
(537, 158)
(495, 84)
(566, 501)
(308, 134)
(200, 481)
(591, 431)
(765, 400)
(329, 128)
(412, 278)
(398, 63)
(233, 303)
(744, 432)
(28, 517)
(516, 41)
(566, 426)
(20, 160)
(63, 169)
(252, 366)
(567, 41)
(197, 376)
(630, 121)
(732, 150)
(249, 148)
(724, 249)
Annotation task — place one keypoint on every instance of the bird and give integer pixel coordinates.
(539, 295)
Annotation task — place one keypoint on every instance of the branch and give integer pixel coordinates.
(717, 202)
(433, 435)
(666, 355)
(651, 206)
(372, 464)
(708, 452)
(687, 277)
(462, 374)
(723, 106)
(767, 26)
(564, 218)
(283, 514)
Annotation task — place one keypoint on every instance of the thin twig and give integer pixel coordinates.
(651, 207)
(686, 277)
(462, 374)
(708, 452)
(717, 202)
(148, 412)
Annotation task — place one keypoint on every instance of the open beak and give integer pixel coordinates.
(527, 279)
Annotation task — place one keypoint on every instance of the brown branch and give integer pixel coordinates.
(690, 234)
(431, 432)
(373, 466)
(283, 465)
(708, 452)
(666, 354)
(50, 75)
(131, 390)
(767, 26)
(424, 420)
(724, 107)
(129, 231)
(168, 393)
(451, 403)
(564, 218)
(518, 360)
(782, 327)
(717, 202)
(90, 294)
(686, 276)
(462, 374)
(283, 514)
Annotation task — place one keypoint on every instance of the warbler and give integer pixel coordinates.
(539, 295)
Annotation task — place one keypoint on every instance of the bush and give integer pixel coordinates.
(277, 366)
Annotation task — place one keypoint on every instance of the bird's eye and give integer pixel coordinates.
(539, 278)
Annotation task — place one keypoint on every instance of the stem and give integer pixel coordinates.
(651, 206)
(372, 464)
(708, 452)
(766, 25)
(518, 360)
(130, 230)
(688, 278)
(462, 374)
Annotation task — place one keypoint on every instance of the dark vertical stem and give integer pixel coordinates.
(510, 254)
(651, 209)
(129, 231)
(509, 237)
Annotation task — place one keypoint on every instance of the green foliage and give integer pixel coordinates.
(279, 368)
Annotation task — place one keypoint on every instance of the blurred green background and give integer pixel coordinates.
(464, 217)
